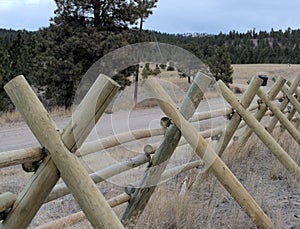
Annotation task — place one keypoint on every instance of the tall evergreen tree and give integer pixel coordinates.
(220, 65)
(81, 33)
(107, 15)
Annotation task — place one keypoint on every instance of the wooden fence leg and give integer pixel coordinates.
(152, 176)
(261, 112)
(297, 91)
(7, 200)
(280, 116)
(232, 126)
(261, 132)
(236, 118)
(47, 175)
(291, 98)
(218, 167)
(290, 116)
(284, 103)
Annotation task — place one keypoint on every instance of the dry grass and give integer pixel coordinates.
(245, 71)
(210, 206)
(15, 116)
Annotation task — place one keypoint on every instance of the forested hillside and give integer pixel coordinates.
(244, 48)
(54, 59)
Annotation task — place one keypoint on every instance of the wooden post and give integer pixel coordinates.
(261, 112)
(236, 118)
(291, 98)
(232, 126)
(217, 166)
(297, 91)
(47, 175)
(7, 200)
(284, 103)
(160, 159)
(290, 116)
(261, 132)
(280, 116)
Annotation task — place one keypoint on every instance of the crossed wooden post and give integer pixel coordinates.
(60, 161)
(217, 166)
(260, 131)
(142, 195)
(284, 103)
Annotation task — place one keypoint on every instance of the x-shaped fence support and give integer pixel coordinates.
(60, 160)
(217, 166)
(224, 175)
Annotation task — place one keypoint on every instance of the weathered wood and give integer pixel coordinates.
(80, 216)
(101, 175)
(290, 117)
(47, 175)
(231, 126)
(291, 98)
(160, 159)
(280, 116)
(200, 116)
(261, 132)
(116, 201)
(61, 189)
(235, 120)
(210, 114)
(16, 157)
(261, 112)
(284, 103)
(297, 91)
(118, 139)
(217, 166)
(21, 156)
(7, 200)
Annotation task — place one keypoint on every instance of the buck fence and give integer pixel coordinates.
(59, 155)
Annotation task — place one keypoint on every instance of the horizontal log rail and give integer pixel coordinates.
(7, 199)
(27, 155)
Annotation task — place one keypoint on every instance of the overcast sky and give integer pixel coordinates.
(175, 16)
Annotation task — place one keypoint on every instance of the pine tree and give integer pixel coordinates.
(220, 65)
(105, 15)
(81, 33)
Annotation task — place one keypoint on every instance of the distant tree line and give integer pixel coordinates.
(244, 48)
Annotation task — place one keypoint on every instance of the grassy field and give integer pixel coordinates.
(243, 72)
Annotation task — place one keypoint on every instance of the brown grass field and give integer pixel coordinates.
(206, 205)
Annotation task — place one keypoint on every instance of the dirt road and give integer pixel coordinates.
(17, 135)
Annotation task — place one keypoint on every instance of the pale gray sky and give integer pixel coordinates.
(175, 16)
